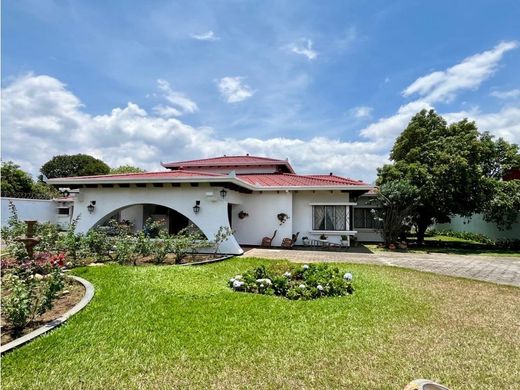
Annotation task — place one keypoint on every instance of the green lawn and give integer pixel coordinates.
(181, 327)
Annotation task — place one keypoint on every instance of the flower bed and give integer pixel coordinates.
(295, 281)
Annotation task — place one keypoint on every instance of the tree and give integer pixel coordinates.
(397, 200)
(126, 169)
(74, 165)
(15, 180)
(454, 167)
(504, 206)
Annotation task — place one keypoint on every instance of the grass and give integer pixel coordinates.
(182, 327)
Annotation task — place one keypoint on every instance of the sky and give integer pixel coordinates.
(328, 85)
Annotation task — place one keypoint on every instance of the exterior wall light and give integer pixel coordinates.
(223, 193)
(91, 206)
(196, 208)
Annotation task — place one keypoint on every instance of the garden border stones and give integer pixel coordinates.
(89, 294)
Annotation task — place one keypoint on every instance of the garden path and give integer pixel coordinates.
(501, 270)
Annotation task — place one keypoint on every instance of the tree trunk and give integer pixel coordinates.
(421, 229)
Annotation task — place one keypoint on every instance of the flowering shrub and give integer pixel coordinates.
(295, 281)
(31, 287)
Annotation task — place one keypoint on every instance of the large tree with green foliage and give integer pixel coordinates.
(74, 165)
(18, 183)
(14, 179)
(454, 168)
(126, 169)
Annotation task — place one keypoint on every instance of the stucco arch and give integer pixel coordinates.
(106, 217)
(212, 215)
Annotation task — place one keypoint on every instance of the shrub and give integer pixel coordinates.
(294, 281)
(29, 293)
(477, 237)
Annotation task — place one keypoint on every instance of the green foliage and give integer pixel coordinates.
(153, 227)
(161, 247)
(74, 165)
(49, 237)
(223, 233)
(74, 244)
(453, 167)
(397, 200)
(504, 206)
(14, 180)
(28, 295)
(470, 236)
(295, 282)
(98, 244)
(126, 169)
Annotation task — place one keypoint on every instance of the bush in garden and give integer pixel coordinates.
(223, 233)
(29, 293)
(295, 281)
(186, 241)
(98, 244)
(14, 227)
(49, 237)
(161, 247)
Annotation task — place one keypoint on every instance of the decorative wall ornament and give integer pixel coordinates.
(282, 217)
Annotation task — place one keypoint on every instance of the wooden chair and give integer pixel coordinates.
(266, 241)
(289, 242)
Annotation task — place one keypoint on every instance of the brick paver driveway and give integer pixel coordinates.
(502, 270)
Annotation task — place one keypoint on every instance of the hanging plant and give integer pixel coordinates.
(242, 214)
(282, 217)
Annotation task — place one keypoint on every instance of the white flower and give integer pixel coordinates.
(319, 287)
(302, 286)
(347, 276)
(262, 286)
(238, 277)
(287, 274)
(237, 284)
(264, 281)
(305, 266)
(232, 280)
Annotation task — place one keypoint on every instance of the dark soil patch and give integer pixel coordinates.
(71, 295)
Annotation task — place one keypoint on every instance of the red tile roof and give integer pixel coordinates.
(180, 174)
(293, 180)
(229, 161)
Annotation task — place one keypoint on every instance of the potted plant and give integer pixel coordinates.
(323, 237)
(305, 240)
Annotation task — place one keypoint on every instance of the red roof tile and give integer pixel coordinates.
(179, 174)
(229, 161)
(293, 180)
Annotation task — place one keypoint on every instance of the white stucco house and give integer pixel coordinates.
(247, 193)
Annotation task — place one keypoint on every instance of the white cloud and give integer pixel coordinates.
(362, 112)
(504, 123)
(234, 90)
(206, 36)
(180, 103)
(442, 86)
(511, 94)
(42, 118)
(304, 47)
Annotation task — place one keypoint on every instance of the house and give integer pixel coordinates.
(255, 196)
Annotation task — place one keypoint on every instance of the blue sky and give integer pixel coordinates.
(327, 84)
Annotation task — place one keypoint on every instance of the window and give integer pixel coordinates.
(63, 211)
(364, 219)
(329, 218)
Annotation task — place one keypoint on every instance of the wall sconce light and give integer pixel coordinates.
(223, 193)
(196, 208)
(91, 206)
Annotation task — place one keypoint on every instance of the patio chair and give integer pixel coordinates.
(266, 241)
(289, 242)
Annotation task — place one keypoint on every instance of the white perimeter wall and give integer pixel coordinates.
(30, 209)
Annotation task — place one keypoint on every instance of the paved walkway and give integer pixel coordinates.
(502, 270)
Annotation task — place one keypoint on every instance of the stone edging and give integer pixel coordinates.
(89, 294)
(208, 261)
